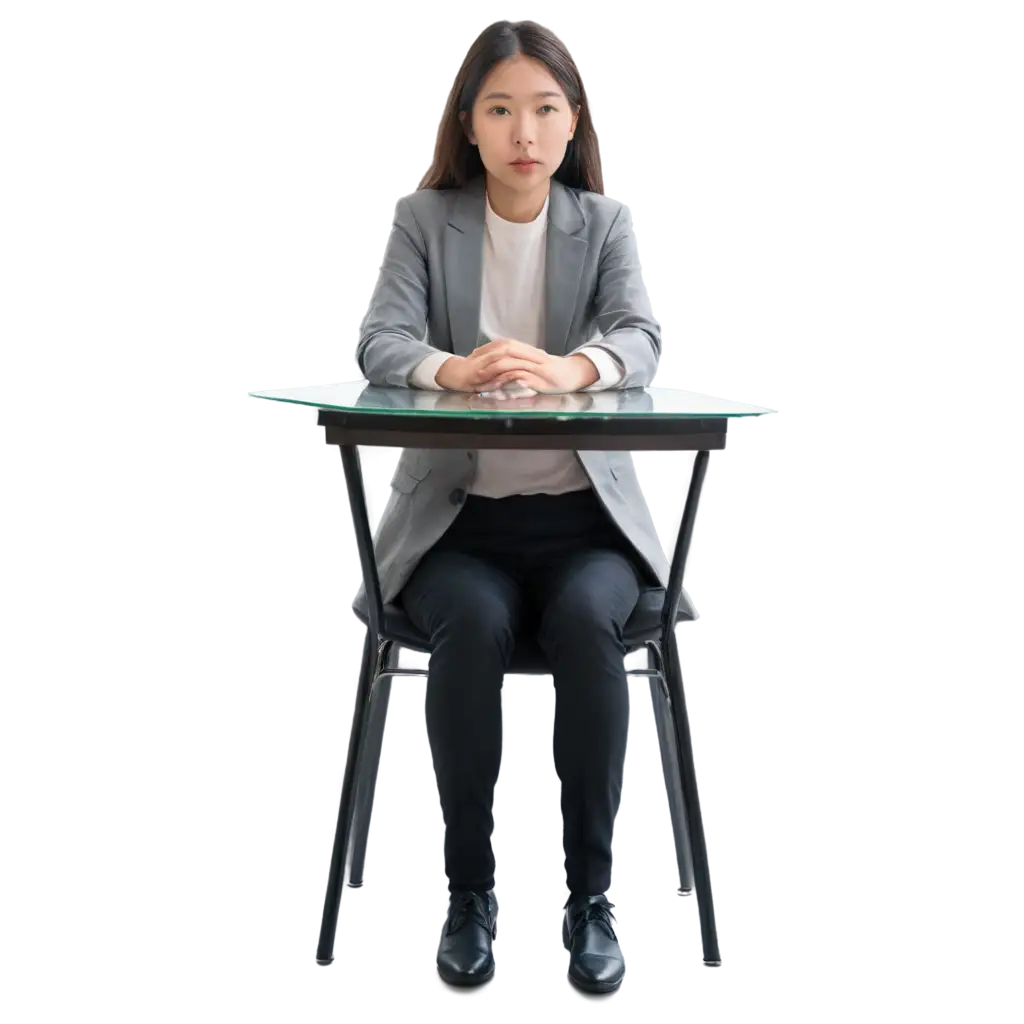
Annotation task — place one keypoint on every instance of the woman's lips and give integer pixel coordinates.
(525, 167)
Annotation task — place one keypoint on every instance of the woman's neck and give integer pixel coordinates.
(511, 204)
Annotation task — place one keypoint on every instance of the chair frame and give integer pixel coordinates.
(380, 663)
(366, 770)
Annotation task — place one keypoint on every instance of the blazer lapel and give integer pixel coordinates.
(566, 251)
(463, 266)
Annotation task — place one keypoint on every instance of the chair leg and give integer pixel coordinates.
(369, 762)
(332, 901)
(702, 877)
(670, 769)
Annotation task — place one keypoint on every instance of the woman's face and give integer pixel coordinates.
(520, 121)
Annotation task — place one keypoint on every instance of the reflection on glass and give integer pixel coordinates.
(361, 396)
(664, 400)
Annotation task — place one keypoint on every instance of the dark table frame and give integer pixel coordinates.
(649, 432)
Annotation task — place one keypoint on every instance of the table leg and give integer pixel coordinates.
(369, 668)
(367, 723)
(361, 736)
(680, 721)
(364, 537)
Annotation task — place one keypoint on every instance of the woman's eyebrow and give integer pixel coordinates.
(505, 95)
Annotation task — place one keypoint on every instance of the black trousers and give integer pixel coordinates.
(555, 565)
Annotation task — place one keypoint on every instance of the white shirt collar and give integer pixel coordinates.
(511, 228)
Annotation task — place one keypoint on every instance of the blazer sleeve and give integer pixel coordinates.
(392, 333)
(609, 370)
(621, 308)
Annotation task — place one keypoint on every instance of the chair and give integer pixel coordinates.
(528, 666)
(645, 628)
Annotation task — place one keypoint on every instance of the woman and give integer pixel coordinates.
(534, 256)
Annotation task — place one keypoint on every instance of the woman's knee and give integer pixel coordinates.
(598, 593)
(585, 623)
(466, 604)
(476, 622)
(473, 621)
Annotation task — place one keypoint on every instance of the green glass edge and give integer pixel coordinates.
(780, 419)
(526, 413)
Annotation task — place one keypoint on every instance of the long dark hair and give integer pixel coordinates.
(457, 161)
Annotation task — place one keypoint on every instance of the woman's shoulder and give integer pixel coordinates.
(596, 204)
(427, 204)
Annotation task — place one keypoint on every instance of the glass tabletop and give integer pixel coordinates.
(660, 401)
(363, 397)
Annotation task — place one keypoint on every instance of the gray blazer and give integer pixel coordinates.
(427, 297)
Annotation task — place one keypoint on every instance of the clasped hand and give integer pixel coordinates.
(503, 360)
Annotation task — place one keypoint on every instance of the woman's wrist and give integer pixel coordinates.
(588, 371)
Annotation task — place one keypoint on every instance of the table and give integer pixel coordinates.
(357, 413)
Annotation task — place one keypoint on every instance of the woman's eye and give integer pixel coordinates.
(547, 108)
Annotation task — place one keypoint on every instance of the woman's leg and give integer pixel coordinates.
(471, 609)
(584, 599)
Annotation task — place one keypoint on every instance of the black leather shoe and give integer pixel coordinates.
(464, 955)
(595, 961)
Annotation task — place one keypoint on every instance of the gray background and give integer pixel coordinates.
(192, 204)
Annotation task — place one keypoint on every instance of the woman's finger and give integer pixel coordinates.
(527, 353)
(531, 380)
(504, 368)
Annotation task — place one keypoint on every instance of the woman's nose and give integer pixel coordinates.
(525, 133)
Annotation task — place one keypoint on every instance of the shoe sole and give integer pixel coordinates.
(595, 988)
(463, 984)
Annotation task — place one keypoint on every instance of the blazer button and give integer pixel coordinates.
(457, 496)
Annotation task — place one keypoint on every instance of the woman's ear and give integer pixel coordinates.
(468, 130)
